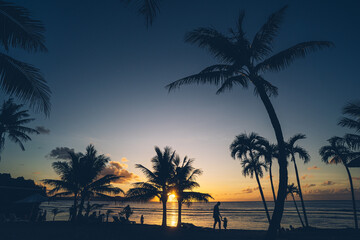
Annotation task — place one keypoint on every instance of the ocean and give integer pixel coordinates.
(240, 215)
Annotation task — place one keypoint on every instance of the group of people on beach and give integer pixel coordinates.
(218, 218)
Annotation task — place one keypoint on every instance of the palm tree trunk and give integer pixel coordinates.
(262, 197)
(352, 196)
(164, 224)
(283, 174)
(75, 207)
(81, 205)
(179, 214)
(300, 193)
(54, 217)
(272, 184)
(297, 210)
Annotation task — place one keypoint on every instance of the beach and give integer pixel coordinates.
(110, 231)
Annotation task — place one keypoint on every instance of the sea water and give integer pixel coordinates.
(240, 215)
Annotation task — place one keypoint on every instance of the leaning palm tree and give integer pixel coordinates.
(12, 121)
(20, 79)
(337, 152)
(248, 149)
(291, 190)
(158, 184)
(352, 110)
(56, 211)
(269, 152)
(292, 150)
(184, 181)
(243, 61)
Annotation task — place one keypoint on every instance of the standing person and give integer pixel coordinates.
(142, 219)
(217, 215)
(225, 223)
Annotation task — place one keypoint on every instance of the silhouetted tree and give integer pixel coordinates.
(248, 149)
(12, 120)
(269, 152)
(242, 61)
(291, 190)
(292, 150)
(79, 176)
(158, 182)
(334, 153)
(353, 122)
(148, 8)
(20, 79)
(184, 181)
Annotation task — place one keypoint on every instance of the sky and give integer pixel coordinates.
(108, 72)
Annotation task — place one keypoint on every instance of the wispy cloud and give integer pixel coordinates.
(303, 177)
(356, 178)
(309, 185)
(124, 159)
(42, 130)
(36, 173)
(60, 153)
(313, 168)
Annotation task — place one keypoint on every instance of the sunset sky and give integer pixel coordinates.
(107, 72)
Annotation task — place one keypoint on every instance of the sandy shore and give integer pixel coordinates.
(112, 231)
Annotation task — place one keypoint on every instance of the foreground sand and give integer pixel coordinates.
(112, 231)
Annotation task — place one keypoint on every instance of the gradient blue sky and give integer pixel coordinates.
(107, 72)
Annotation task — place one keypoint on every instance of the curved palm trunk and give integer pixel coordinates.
(271, 182)
(179, 214)
(352, 196)
(262, 196)
(297, 210)
(300, 193)
(283, 174)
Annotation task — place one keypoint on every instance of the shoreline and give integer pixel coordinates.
(110, 231)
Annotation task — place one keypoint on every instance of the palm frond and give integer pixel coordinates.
(228, 84)
(284, 58)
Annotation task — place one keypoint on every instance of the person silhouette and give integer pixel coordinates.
(217, 215)
(142, 219)
(225, 223)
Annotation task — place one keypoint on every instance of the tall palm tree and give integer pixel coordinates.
(352, 122)
(158, 182)
(248, 149)
(337, 153)
(20, 79)
(12, 120)
(269, 152)
(243, 61)
(291, 190)
(292, 150)
(184, 181)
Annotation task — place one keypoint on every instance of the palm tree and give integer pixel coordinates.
(79, 176)
(242, 61)
(334, 153)
(148, 8)
(248, 149)
(20, 79)
(269, 152)
(55, 211)
(291, 190)
(352, 122)
(69, 172)
(184, 181)
(292, 150)
(158, 182)
(12, 119)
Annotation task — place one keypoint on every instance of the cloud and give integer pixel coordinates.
(247, 190)
(124, 159)
(356, 178)
(327, 183)
(119, 169)
(36, 173)
(309, 185)
(313, 168)
(303, 177)
(60, 153)
(42, 130)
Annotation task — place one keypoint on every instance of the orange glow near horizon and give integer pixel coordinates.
(172, 198)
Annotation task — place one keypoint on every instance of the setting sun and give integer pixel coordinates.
(172, 198)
